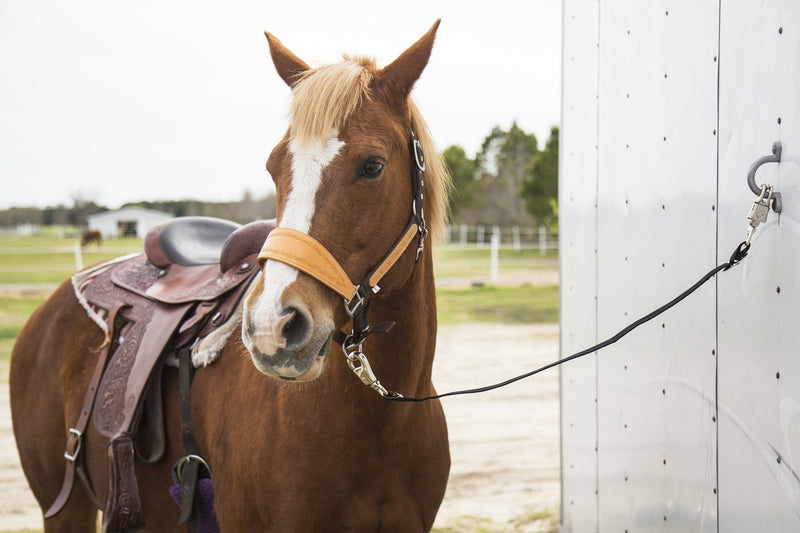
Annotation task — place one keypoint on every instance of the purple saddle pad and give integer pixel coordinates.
(207, 521)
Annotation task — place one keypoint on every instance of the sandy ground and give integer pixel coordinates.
(504, 444)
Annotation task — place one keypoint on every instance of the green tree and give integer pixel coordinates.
(463, 171)
(20, 215)
(503, 160)
(77, 215)
(540, 186)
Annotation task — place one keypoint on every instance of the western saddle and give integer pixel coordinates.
(188, 283)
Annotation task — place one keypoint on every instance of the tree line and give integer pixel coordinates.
(245, 210)
(510, 182)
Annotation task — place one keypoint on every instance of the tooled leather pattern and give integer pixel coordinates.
(129, 282)
(136, 275)
(109, 406)
(123, 510)
(177, 284)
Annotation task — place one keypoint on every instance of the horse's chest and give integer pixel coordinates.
(344, 512)
(331, 495)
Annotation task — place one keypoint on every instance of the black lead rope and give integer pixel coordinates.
(738, 254)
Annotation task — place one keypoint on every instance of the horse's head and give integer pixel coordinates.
(343, 177)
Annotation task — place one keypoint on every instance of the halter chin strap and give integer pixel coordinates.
(303, 252)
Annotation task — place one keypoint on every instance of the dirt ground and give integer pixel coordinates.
(504, 444)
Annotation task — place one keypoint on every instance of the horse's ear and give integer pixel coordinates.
(398, 77)
(289, 66)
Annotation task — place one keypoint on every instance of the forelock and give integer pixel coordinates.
(326, 97)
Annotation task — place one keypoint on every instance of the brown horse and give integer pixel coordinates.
(315, 449)
(91, 236)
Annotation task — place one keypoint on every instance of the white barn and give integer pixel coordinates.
(129, 221)
(692, 422)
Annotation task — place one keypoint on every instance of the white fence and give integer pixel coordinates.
(514, 237)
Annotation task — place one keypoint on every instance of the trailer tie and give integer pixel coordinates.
(758, 214)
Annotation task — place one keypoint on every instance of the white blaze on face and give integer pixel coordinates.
(308, 163)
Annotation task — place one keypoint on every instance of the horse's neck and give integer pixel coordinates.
(405, 355)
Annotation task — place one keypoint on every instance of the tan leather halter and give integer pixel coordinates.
(306, 254)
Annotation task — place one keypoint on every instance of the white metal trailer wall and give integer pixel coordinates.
(759, 306)
(692, 423)
(577, 248)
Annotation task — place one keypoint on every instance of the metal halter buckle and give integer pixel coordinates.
(423, 232)
(419, 157)
(355, 302)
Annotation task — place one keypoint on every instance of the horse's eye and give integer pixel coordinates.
(370, 170)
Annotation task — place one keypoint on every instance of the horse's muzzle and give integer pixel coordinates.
(291, 347)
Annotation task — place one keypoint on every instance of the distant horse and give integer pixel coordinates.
(314, 449)
(91, 236)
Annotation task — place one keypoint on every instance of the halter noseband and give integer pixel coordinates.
(306, 254)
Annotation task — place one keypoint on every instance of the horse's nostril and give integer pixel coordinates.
(297, 329)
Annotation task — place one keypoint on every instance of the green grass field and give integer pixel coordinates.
(47, 259)
(32, 266)
(453, 262)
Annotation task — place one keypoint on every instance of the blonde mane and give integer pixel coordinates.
(326, 97)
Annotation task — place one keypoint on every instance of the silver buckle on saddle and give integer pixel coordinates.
(177, 468)
(74, 455)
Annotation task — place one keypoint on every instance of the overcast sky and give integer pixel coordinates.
(118, 102)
